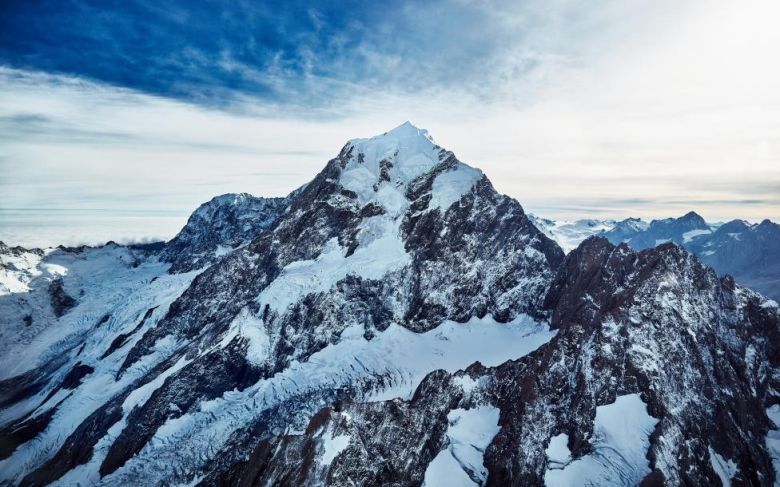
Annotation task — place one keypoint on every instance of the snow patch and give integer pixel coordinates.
(690, 235)
(449, 186)
(470, 431)
(770, 304)
(466, 383)
(332, 446)
(773, 439)
(726, 469)
(558, 454)
(249, 326)
(621, 437)
(222, 250)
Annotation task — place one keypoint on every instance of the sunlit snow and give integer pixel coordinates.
(399, 355)
(449, 186)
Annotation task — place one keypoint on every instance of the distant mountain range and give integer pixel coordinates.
(394, 322)
(750, 252)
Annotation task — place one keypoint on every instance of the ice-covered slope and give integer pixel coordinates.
(68, 293)
(18, 266)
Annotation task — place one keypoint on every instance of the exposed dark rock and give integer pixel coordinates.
(121, 339)
(226, 221)
(14, 434)
(78, 372)
(103, 320)
(61, 301)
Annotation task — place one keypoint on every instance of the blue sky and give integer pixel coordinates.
(126, 115)
(295, 53)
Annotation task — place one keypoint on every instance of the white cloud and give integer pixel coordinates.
(662, 109)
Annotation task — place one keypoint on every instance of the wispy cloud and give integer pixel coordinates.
(608, 109)
(314, 58)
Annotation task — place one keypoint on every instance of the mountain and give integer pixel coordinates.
(217, 227)
(748, 252)
(678, 230)
(624, 230)
(394, 321)
(569, 234)
(394, 238)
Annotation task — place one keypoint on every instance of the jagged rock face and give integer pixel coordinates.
(218, 226)
(61, 301)
(701, 353)
(394, 231)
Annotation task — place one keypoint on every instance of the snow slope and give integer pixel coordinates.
(620, 441)
(470, 431)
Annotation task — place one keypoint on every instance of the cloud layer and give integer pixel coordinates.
(600, 110)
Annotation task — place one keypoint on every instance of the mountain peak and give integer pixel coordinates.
(381, 169)
(407, 128)
(691, 215)
(405, 134)
(692, 221)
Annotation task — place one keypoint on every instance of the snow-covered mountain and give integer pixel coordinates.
(639, 385)
(569, 234)
(748, 252)
(395, 321)
(678, 230)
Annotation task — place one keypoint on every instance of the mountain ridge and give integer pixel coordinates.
(749, 252)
